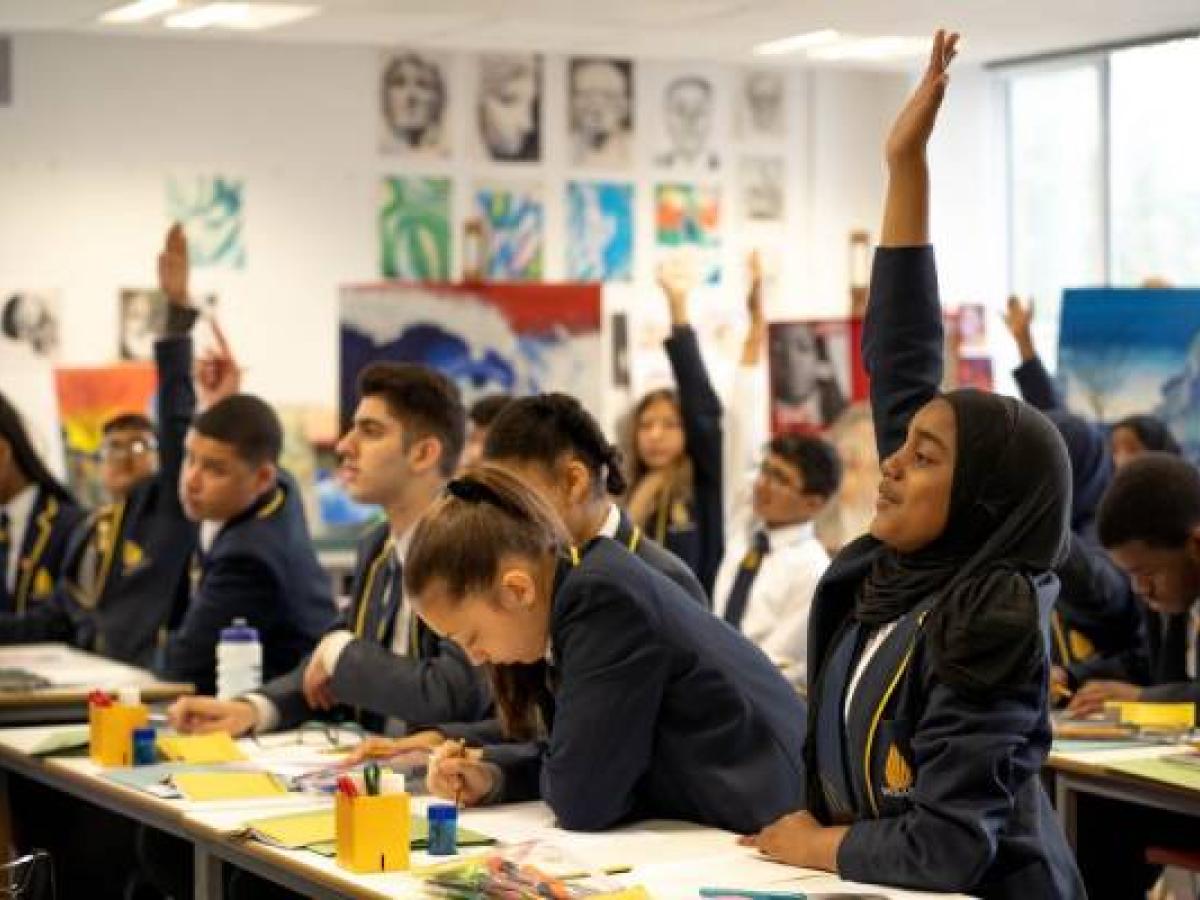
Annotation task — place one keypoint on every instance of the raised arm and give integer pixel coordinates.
(701, 411)
(1036, 386)
(902, 337)
(173, 359)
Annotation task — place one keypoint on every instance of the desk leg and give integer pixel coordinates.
(1066, 802)
(208, 874)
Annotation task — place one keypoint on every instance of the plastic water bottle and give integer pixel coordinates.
(239, 660)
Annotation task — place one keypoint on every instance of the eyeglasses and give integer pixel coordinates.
(778, 477)
(113, 450)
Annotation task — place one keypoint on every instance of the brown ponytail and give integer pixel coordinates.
(486, 514)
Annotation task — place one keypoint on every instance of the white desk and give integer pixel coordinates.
(1087, 772)
(672, 859)
(72, 674)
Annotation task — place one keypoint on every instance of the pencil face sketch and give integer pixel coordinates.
(508, 110)
(601, 111)
(689, 115)
(762, 188)
(414, 104)
(761, 105)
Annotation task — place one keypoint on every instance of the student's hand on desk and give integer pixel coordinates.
(458, 774)
(376, 747)
(913, 126)
(202, 715)
(798, 839)
(1092, 696)
(318, 690)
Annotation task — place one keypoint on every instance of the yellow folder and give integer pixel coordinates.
(1154, 715)
(200, 749)
(228, 785)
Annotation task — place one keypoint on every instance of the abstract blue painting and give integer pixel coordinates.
(212, 214)
(1127, 351)
(599, 231)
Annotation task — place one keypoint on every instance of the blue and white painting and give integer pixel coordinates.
(599, 231)
(518, 339)
(1126, 351)
(212, 213)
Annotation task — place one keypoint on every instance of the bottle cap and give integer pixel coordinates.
(239, 633)
(130, 695)
(442, 812)
(391, 783)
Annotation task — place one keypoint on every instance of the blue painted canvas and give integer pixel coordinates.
(212, 212)
(599, 231)
(1127, 351)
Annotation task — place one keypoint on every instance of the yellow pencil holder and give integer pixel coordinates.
(372, 832)
(110, 733)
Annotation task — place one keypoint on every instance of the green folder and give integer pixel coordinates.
(1163, 770)
(315, 831)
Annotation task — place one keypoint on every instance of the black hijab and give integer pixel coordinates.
(1091, 469)
(1009, 505)
(1152, 433)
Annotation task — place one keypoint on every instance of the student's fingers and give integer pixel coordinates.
(374, 747)
(748, 840)
(179, 712)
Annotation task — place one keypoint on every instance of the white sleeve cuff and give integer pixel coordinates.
(266, 714)
(329, 651)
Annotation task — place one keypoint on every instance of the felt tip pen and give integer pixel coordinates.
(711, 893)
(346, 786)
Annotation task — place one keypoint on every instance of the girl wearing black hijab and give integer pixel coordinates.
(928, 720)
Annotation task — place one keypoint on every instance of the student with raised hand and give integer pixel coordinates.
(254, 558)
(652, 707)
(1129, 438)
(927, 653)
(382, 666)
(676, 482)
(128, 561)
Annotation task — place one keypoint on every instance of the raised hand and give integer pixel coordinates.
(677, 278)
(913, 126)
(217, 374)
(1018, 319)
(173, 267)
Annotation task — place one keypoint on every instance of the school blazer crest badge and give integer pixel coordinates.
(897, 774)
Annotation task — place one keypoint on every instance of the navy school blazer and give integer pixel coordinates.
(656, 709)
(695, 531)
(145, 549)
(434, 682)
(261, 567)
(43, 555)
(633, 539)
(958, 805)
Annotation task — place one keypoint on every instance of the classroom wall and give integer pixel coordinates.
(98, 124)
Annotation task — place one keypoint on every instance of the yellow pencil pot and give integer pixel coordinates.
(373, 832)
(110, 736)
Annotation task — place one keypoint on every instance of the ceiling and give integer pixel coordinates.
(708, 29)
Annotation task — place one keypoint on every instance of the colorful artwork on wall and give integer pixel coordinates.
(689, 216)
(212, 212)
(519, 339)
(414, 229)
(513, 218)
(599, 231)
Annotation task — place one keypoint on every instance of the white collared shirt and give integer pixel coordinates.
(208, 534)
(20, 510)
(776, 617)
(611, 522)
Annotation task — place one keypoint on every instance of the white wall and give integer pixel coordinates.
(98, 124)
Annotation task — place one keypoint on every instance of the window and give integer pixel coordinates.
(1057, 195)
(1104, 183)
(1155, 164)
